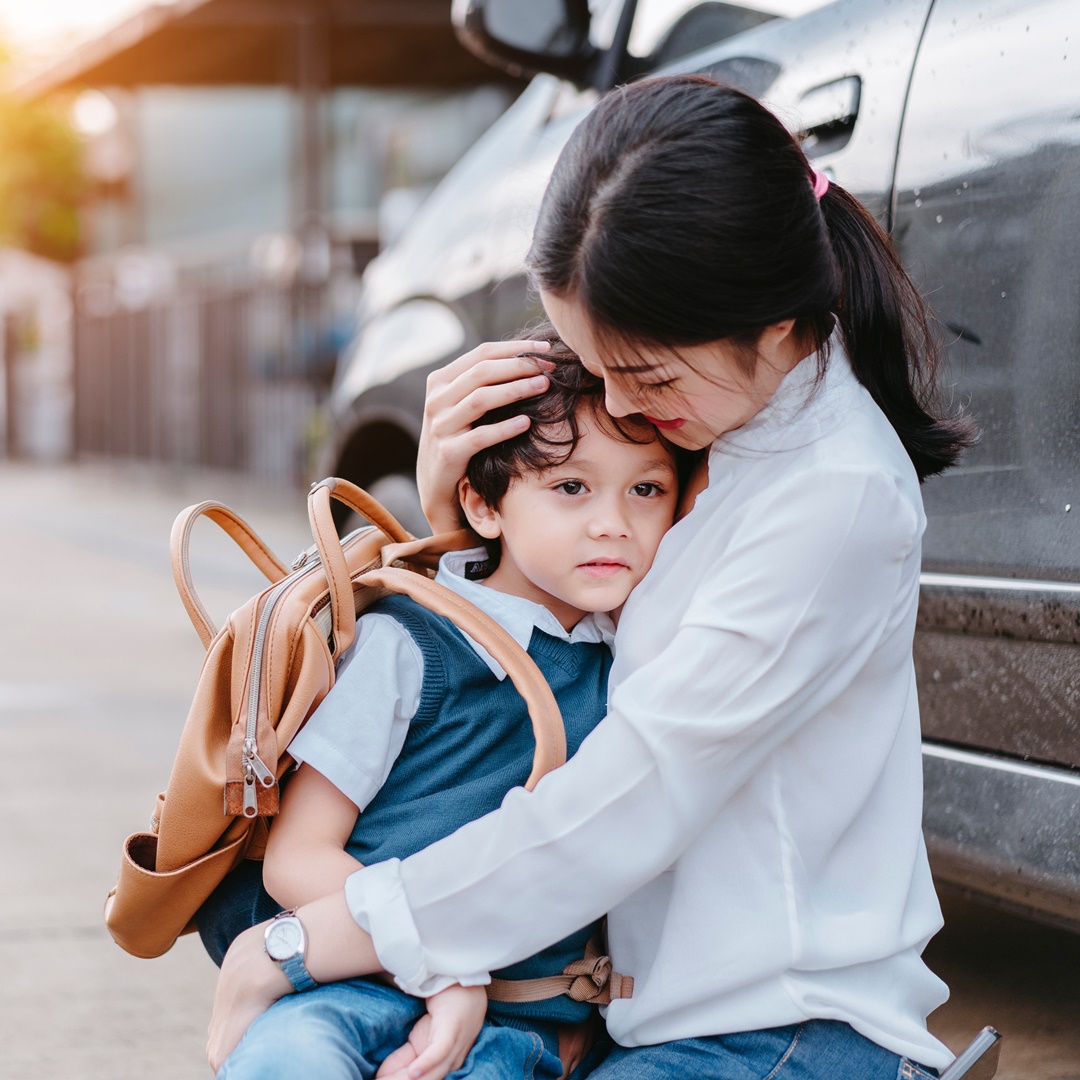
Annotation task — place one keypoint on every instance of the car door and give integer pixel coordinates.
(837, 76)
(987, 218)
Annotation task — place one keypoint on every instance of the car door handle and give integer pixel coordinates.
(828, 114)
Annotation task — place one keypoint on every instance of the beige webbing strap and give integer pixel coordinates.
(590, 979)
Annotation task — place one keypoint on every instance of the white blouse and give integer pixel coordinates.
(749, 812)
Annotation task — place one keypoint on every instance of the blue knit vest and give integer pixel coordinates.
(469, 743)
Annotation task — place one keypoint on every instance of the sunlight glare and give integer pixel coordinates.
(93, 113)
(33, 24)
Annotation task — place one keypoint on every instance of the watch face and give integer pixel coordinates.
(283, 939)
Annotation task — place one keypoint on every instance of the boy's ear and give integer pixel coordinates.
(482, 518)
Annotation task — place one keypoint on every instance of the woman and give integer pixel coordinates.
(749, 812)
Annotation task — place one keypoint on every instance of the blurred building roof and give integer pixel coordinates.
(327, 43)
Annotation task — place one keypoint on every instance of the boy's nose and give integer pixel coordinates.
(609, 520)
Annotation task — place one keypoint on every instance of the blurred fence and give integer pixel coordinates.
(223, 375)
(35, 358)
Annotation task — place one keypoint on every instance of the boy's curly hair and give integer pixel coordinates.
(555, 429)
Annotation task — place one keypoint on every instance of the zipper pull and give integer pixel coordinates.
(251, 800)
(306, 559)
(256, 764)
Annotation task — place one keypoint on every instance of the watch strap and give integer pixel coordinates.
(297, 973)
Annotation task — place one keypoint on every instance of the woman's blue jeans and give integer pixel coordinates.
(814, 1050)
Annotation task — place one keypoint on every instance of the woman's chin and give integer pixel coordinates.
(691, 436)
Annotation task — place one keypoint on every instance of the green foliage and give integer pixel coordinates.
(42, 181)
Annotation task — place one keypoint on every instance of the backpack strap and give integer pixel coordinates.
(329, 547)
(246, 538)
(427, 551)
(548, 731)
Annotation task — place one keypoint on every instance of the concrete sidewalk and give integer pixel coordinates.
(98, 663)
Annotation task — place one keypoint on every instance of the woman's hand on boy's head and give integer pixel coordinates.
(440, 1040)
(491, 375)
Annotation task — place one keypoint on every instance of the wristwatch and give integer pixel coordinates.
(286, 943)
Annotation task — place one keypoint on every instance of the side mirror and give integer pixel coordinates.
(525, 37)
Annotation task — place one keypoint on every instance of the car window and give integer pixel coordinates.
(603, 19)
(665, 30)
(988, 201)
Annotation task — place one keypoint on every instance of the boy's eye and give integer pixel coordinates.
(570, 487)
(647, 489)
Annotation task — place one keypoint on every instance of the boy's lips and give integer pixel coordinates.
(665, 425)
(601, 568)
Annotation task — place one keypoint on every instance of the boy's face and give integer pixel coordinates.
(579, 536)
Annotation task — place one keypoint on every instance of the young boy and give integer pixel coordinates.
(422, 732)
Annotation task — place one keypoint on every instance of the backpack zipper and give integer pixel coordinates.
(253, 766)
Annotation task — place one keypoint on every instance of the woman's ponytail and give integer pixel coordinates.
(887, 335)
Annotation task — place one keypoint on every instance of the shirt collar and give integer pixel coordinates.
(518, 616)
(802, 408)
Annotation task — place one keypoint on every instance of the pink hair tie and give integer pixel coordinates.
(820, 182)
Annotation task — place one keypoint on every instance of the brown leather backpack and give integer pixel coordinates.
(265, 672)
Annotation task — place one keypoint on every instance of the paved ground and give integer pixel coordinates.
(97, 665)
(1020, 977)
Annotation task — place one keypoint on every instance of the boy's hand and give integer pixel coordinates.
(439, 1042)
(249, 983)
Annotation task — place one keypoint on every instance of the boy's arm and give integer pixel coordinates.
(305, 854)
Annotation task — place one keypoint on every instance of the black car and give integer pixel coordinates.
(958, 123)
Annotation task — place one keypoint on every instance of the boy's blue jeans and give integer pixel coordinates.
(343, 1031)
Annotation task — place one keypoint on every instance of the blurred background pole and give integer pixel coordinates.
(312, 81)
(7, 359)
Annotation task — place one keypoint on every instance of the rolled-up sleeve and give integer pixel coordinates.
(775, 627)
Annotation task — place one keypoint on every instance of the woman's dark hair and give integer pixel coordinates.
(682, 211)
(555, 428)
